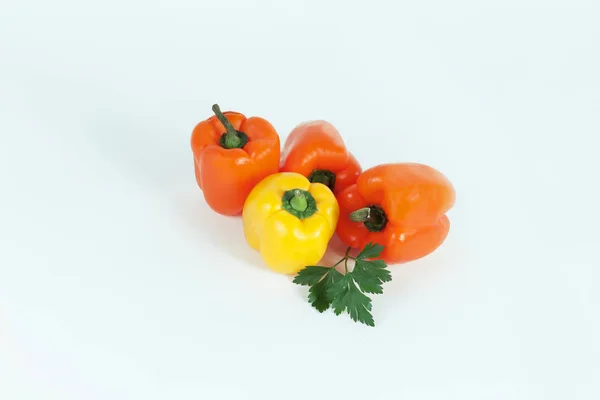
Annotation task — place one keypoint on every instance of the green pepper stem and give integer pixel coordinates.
(232, 139)
(299, 202)
(323, 176)
(361, 215)
(373, 217)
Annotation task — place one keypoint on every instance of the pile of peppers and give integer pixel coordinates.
(294, 200)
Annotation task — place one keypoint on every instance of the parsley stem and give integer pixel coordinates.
(344, 259)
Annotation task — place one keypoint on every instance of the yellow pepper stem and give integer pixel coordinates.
(300, 203)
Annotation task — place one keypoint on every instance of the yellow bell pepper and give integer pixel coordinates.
(290, 221)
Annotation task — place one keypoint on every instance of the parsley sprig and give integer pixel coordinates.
(330, 288)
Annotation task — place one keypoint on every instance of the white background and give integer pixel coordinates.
(118, 282)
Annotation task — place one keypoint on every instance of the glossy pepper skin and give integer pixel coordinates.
(316, 150)
(290, 221)
(232, 154)
(399, 206)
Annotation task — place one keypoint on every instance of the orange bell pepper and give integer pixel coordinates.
(399, 206)
(316, 150)
(232, 154)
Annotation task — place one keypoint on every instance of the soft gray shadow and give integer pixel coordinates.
(206, 226)
(159, 158)
(410, 277)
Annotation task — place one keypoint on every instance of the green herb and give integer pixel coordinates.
(330, 288)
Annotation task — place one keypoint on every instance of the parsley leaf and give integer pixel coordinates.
(371, 250)
(346, 296)
(310, 275)
(346, 292)
(369, 275)
(318, 295)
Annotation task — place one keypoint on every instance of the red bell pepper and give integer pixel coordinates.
(399, 206)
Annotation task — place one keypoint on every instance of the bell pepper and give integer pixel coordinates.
(290, 221)
(232, 154)
(316, 150)
(399, 206)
